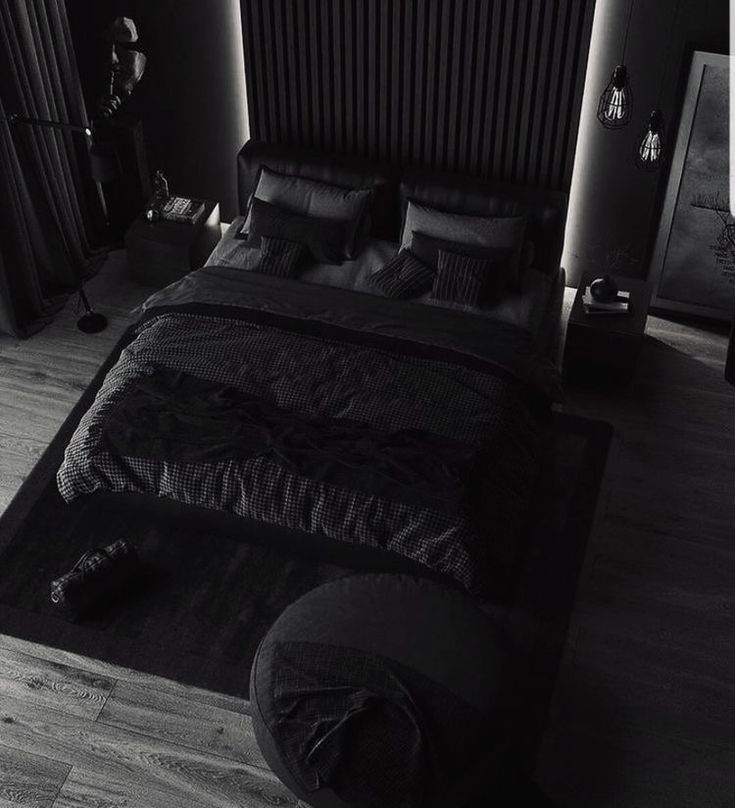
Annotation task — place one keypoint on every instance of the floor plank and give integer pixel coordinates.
(631, 768)
(57, 686)
(162, 769)
(146, 681)
(86, 788)
(177, 719)
(27, 779)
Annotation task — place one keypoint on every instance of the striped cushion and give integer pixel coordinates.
(495, 281)
(278, 256)
(460, 278)
(403, 276)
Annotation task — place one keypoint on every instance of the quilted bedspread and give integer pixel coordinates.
(381, 422)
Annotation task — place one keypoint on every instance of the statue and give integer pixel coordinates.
(126, 67)
(159, 198)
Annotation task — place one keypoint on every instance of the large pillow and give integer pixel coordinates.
(323, 238)
(314, 198)
(498, 232)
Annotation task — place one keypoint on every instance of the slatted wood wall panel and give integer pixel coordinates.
(486, 87)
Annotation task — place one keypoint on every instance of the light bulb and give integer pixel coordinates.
(616, 102)
(650, 147)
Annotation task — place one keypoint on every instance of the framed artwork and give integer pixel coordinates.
(693, 266)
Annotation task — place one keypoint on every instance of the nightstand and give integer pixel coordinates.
(605, 347)
(161, 252)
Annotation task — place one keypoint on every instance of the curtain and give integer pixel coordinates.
(50, 239)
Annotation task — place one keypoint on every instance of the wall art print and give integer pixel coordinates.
(693, 263)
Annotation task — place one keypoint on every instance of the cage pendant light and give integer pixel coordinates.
(615, 108)
(650, 148)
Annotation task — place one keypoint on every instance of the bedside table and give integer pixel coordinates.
(605, 347)
(161, 252)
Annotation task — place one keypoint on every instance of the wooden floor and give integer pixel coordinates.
(644, 711)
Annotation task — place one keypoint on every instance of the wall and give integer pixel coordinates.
(485, 88)
(615, 207)
(192, 98)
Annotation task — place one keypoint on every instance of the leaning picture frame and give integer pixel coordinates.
(693, 261)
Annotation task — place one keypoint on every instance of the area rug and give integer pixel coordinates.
(211, 596)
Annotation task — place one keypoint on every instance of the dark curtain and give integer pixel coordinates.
(51, 216)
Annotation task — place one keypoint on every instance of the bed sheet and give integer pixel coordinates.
(525, 308)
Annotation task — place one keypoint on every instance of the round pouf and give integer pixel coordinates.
(378, 690)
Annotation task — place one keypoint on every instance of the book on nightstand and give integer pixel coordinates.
(621, 304)
(181, 209)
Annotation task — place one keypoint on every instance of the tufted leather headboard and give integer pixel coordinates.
(546, 210)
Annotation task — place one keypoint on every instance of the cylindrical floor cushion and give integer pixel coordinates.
(378, 690)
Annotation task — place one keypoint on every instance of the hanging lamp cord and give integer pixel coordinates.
(669, 49)
(627, 30)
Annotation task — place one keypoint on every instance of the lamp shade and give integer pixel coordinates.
(615, 107)
(649, 151)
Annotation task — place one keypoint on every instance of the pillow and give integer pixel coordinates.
(427, 249)
(501, 233)
(313, 198)
(460, 278)
(497, 277)
(323, 238)
(403, 276)
(279, 256)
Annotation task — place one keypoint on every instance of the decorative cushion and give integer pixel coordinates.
(379, 690)
(404, 276)
(501, 233)
(279, 256)
(460, 278)
(318, 199)
(497, 272)
(325, 239)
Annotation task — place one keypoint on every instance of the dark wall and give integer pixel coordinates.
(486, 88)
(191, 99)
(615, 207)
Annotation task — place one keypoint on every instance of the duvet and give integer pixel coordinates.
(390, 424)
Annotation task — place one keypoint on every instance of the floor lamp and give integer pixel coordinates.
(103, 167)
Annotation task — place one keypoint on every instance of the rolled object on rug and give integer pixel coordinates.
(380, 690)
(100, 576)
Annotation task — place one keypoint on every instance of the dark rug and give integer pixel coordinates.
(211, 595)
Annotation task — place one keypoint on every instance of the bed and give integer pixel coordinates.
(318, 404)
